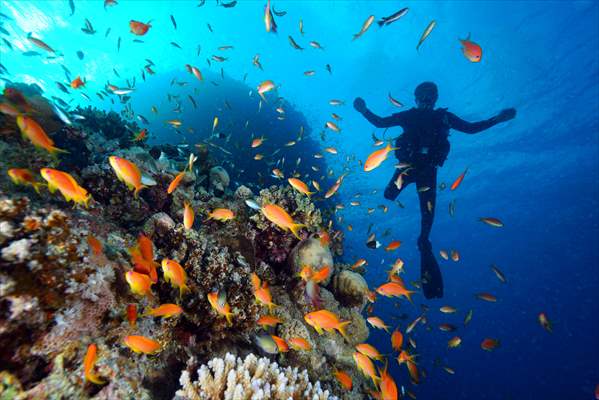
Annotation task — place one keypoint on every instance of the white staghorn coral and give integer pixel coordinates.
(232, 378)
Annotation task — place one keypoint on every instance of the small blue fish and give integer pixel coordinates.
(80, 54)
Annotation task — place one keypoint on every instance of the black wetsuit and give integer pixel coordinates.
(424, 145)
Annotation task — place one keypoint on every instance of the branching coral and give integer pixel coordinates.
(231, 378)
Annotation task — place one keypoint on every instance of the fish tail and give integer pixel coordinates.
(94, 378)
(37, 186)
(229, 317)
(294, 228)
(183, 289)
(342, 327)
(137, 190)
(381, 22)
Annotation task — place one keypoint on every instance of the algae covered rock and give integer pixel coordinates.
(311, 252)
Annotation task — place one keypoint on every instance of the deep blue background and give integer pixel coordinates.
(538, 173)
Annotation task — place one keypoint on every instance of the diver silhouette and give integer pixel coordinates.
(422, 148)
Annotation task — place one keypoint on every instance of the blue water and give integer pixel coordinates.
(538, 173)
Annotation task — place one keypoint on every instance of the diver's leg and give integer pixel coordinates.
(392, 190)
(430, 275)
(426, 184)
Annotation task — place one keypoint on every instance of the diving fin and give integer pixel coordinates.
(430, 275)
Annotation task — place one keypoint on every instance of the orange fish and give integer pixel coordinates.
(269, 22)
(486, 297)
(326, 320)
(459, 180)
(175, 274)
(298, 343)
(36, 134)
(369, 350)
(300, 186)
(143, 265)
(332, 126)
(132, 314)
(142, 344)
(404, 357)
(77, 83)
(257, 142)
(365, 366)
(264, 87)
(387, 386)
(321, 275)
(414, 374)
(88, 365)
(268, 320)
(22, 176)
(188, 216)
(281, 218)
(127, 172)
(218, 302)
(262, 292)
(165, 311)
(141, 135)
(66, 184)
(139, 28)
(94, 244)
(471, 50)
(489, 344)
(448, 310)
(175, 182)
(221, 214)
(455, 255)
(394, 289)
(377, 157)
(377, 322)
(396, 340)
(454, 342)
(396, 268)
(335, 187)
(443, 254)
(360, 263)
(494, 222)
(195, 71)
(140, 284)
(394, 245)
(344, 379)
(146, 248)
(281, 344)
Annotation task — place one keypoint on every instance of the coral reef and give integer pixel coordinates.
(232, 378)
(57, 295)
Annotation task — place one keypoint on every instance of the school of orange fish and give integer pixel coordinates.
(144, 267)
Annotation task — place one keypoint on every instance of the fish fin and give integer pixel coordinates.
(341, 329)
(319, 330)
(229, 316)
(53, 150)
(294, 228)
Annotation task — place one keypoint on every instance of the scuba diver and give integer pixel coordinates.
(421, 149)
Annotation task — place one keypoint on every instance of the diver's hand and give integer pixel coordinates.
(360, 104)
(506, 115)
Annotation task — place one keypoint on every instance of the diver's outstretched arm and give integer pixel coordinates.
(459, 124)
(379, 122)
